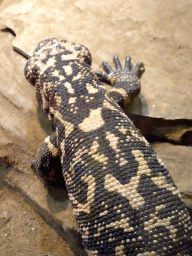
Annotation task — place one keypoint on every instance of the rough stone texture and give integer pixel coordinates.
(155, 32)
(176, 159)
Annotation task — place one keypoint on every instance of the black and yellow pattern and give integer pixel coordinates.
(123, 197)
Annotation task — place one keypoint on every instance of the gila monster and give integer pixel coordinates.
(124, 199)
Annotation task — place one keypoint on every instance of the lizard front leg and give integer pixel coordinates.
(125, 82)
(47, 162)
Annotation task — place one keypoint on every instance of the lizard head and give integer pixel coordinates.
(52, 63)
(51, 54)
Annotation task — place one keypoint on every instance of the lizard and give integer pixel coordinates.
(123, 197)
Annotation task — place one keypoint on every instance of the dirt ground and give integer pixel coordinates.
(23, 231)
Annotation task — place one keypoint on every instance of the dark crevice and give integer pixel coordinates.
(158, 122)
(162, 130)
(187, 138)
(9, 30)
(154, 138)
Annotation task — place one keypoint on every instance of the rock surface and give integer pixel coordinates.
(176, 159)
(157, 33)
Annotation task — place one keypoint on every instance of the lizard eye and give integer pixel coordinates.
(88, 60)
